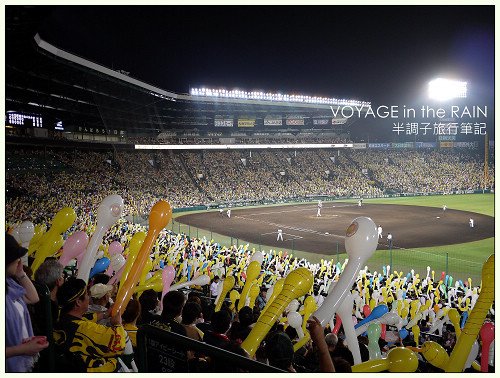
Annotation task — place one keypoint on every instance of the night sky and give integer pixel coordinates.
(373, 53)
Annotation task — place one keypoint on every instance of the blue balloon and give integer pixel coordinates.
(384, 269)
(465, 316)
(162, 264)
(377, 312)
(100, 266)
(403, 333)
(446, 280)
(408, 276)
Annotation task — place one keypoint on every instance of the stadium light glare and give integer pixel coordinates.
(273, 97)
(444, 89)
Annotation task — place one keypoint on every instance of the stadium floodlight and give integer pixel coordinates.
(444, 89)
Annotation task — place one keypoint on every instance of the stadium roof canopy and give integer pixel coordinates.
(42, 79)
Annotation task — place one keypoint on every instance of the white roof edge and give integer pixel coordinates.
(96, 67)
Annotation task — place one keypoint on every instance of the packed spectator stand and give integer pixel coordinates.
(427, 313)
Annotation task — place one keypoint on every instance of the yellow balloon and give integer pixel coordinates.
(227, 285)
(416, 333)
(150, 284)
(252, 273)
(399, 360)
(455, 320)
(278, 286)
(147, 268)
(233, 296)
(61, 222)
(476, 319)
(50, 246)
(435, 354)
(39, 231)
(254, 293)
(133, 250)
(309, 307)
(297, 283)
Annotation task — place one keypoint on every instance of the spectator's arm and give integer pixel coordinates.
(318, 337)
(30, 348)
(31, 295)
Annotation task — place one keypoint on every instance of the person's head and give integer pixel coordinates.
(50, 273)
(331, 340)
(279, 351)
(148, 300)
(190, 312)
(173, 302)
(101, 278)
(100, 293)
(132, 311)
(221, 321)
(245, 315)
(193, 297)
(13, 254)
(73, 297)
(216, 279)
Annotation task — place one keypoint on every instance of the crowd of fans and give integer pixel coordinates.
(88, 337)
(41, 182)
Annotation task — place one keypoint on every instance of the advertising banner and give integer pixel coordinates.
(425, 144)
(359, 146)
(379, 145)
(273, 122)
(339, 121)
(295, 121)
(321, 121)
(246, 122)
(223, 122)
(445, 144)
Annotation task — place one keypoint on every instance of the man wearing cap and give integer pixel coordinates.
(21, 346)
(100, 294)
(90, 346)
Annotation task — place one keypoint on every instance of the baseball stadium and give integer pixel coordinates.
(235, 230)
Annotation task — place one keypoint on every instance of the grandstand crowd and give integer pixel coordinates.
(41, 182)
(88, 336)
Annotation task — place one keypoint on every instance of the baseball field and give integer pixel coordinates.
(423, 233)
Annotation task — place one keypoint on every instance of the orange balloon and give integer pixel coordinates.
(160, 215)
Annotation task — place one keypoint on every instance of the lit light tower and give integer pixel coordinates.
(443, 90)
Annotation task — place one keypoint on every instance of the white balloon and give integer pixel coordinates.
(15, 234)
(293, 305)
(491, 355)
(117, 262)
(269, 293)
(108, 213)
(257, 256)
(200, 281)
(295, 321)
(360, 243)
(26, 232)
(345, 312)
(472, 355)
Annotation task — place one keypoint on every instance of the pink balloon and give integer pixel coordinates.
(115, 248)
(73, 247)
(366, 310)
(338, 323)
(167, 276)
(117, 276)
(487, 334)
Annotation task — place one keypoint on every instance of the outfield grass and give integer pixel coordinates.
(459, 260)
